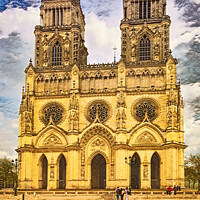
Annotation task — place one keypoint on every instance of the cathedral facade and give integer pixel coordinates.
(84, 126)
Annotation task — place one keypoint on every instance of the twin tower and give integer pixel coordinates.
(100, 126)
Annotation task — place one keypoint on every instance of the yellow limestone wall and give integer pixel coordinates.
(75, 87)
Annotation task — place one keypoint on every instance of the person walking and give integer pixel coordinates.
(117, 191)
(122, 194)
(127, 193)
(175, 189)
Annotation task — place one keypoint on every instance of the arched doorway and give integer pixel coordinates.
(44, 172)
(155, 171)
(98, 172)
(135, 171)
(62, 173)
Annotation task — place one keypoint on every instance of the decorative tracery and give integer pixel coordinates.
(98, 110)
(145, 48)
(57, 54)
(145, 107)
(53, 111)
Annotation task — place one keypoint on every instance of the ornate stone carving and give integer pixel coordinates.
(157, 50)
(52, 140)
(54, 111)
(145, 172)
(99, 108)
(83, 172)
(121, 113)
(146, 138)
(98, 144)
(96, 130)
(73, 113)
(144, 106)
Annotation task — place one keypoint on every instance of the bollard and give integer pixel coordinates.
(23, 196)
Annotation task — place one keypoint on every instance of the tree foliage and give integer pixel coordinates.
(7, 173)
(192, 168)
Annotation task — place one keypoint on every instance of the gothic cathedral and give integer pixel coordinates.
(100, 126)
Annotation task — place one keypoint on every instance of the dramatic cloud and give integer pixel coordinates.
(23, 4)
(17, 21)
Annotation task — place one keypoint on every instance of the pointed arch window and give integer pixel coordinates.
(57, 54)
(144, 9)
(145, 48)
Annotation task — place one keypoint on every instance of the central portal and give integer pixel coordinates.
(98, 172)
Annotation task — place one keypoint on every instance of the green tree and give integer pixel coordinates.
(7, 174)
(192, 168)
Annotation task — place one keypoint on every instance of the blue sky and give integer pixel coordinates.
(19, 17)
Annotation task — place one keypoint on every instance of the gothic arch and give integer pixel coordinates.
(59, 138)
(155, 171)
(61, 171)
(43, 172)
(131, 72)
(135, 171)
(93, 130)
(149, 128)
(90, 158)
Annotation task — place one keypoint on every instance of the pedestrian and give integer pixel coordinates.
(117, 191)
(122, 194)
(169, 190)
(175, 189)
(127, 193)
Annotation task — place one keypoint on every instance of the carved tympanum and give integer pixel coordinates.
(146, 138)
(98, 144)
(52, 140)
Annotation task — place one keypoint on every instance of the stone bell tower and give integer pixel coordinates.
(149, 17)
(59, 39)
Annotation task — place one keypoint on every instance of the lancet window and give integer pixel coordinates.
(145, 48)
(145, 9)
(57, 54)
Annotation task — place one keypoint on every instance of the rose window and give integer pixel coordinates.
(53, 111)
(98, 109)
(145, 107)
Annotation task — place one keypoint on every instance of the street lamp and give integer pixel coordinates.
(130, 163)
(16, 164)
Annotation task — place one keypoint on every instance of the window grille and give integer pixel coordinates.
(76, 41)
(145, 48)
(145, 9)
(57, 54)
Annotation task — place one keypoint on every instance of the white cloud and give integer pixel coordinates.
(8, 136)
(21, 21)
(191, 92)
(101, 38)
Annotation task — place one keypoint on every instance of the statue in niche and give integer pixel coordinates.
(52, 173)
(118, 119)
(123, 118)
(66, 55)
(157, 49)
(121, 100)
(73, 119)
(169, 117)
(145, 172)
(133, 50)
(82, 173)
(45, 54)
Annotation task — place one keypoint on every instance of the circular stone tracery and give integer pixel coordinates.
(99, 108)
(54, 111)
(145, 106)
